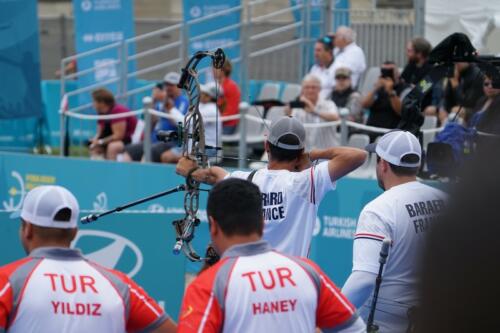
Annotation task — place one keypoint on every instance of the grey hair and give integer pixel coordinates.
(311, 77)
(347, 33)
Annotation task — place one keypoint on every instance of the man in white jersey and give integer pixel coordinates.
(291, 188)
(55, 289)
(254, 288)
(403, 213)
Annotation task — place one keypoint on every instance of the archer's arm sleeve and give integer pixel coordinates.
(370, 232)
(200, 311)
(359, 287)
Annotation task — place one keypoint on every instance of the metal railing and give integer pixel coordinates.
(272, 45)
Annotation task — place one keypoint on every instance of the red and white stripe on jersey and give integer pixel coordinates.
(57, 289)
(255, 289)
(365, 235)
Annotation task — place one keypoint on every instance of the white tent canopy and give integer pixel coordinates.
(479, 19)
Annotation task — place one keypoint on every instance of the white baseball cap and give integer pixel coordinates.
(397, 147)
(43, 203)
(287, 125)
(211, 89)
(172, 78)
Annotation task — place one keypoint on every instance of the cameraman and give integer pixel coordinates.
(384, 101)
(310, 108)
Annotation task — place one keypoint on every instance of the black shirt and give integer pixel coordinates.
(381, 112)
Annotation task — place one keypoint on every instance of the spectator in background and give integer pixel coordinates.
(384, 100)
(168, 98)
(230, 101)
(486, 115)
(417, 53)
(309, 108)
(344, 96)
(158, 95)
(323, 69)
(113, 134)
(135, 152)
(470, 87)
(348, 54)
(171, 80)
(211, 122)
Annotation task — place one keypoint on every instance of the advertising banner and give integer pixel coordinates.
(99, 23)
(104, 185)
(20, 95)
(194, 14)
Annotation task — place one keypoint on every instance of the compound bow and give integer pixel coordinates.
(191, 137)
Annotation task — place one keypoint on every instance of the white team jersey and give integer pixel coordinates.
(290, 201)
(57, 290)
(404, 213)
(256, 289)
(212, 123)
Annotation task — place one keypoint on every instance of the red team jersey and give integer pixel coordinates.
(256, 289)
(57, 290)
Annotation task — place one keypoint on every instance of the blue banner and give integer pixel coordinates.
(227, 39)
(99, 23)
(20, 95)
(104, 185)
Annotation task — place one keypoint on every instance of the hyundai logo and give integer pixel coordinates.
(117, 248)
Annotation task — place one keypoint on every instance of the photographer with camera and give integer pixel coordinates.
(311, 108)
(384, 101)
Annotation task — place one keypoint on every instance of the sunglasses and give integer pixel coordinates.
(341, 77)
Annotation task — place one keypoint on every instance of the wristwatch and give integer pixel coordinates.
(100, 142)
(393, 94)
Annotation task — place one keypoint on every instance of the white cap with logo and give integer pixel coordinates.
(43, 203)
(397, 147)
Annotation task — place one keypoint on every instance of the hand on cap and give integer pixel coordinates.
(185, 165)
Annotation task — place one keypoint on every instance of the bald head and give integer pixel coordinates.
(344, 36)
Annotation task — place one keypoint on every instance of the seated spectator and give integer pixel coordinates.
(344, 96)
(181, 103)
(167, 97)
(211, 122)
(135, 152)
(322, 69)
(228, 103)
(348, 54)
(112, 135)
(417, 53)
(158, 95)
(486, 115)
(470, 87)
(309, 108)
(384, 100)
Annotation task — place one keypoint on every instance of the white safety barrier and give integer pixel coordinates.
(241, 135)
